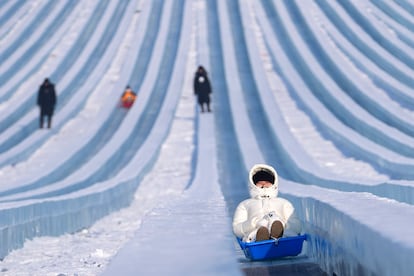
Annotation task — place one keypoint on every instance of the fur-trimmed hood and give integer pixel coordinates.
(256, 192)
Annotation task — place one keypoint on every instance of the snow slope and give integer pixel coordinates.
(321, 90)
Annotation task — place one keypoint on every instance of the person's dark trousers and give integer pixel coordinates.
(49, 119)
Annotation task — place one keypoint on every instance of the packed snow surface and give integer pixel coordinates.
(321, 90)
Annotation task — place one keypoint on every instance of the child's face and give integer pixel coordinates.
(263, 184)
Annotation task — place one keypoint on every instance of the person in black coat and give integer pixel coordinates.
(46, 100)
(202, 88)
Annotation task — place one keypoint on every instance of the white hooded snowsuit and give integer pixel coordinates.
(263, 208)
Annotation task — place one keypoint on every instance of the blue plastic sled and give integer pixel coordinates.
(272, 249)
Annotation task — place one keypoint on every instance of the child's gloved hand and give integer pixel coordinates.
(272, 216)
(263, 222)
(255, 220)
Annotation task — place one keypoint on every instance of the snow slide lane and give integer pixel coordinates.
(182, 250)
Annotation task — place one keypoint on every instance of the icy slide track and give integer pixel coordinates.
(317, 58)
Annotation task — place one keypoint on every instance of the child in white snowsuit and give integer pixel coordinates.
(264, 215)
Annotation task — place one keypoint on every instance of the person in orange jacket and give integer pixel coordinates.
(128, 97)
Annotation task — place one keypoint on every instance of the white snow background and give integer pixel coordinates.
(76, 203)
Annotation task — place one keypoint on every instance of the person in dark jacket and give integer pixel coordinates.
(202, 88)
(46, 100)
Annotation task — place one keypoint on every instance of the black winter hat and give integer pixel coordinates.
(263, 175)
